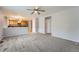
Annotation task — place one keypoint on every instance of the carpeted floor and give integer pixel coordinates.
(37, 43)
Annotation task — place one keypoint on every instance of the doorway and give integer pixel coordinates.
(48, 25)
(30, 26)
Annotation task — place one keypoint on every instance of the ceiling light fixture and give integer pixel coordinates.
(36, 10)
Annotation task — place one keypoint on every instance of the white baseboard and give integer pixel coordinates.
(65, 38)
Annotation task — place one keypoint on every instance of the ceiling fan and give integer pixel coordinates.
(36, 10)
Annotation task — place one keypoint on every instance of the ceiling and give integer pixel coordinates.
(21, 10)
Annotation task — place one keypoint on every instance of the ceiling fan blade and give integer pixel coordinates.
(32, 12)
(38, 12)
(30, 9)
(42, 10)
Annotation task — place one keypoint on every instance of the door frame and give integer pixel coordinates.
(47, 18)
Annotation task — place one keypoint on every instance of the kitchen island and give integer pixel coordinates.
(13, 31)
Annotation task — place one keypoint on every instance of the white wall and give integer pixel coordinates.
(42, 24)
(66, 24)
(34, 25)
(1, 25)
(37, 25)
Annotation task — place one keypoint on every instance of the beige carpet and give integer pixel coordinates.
(37, 43)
